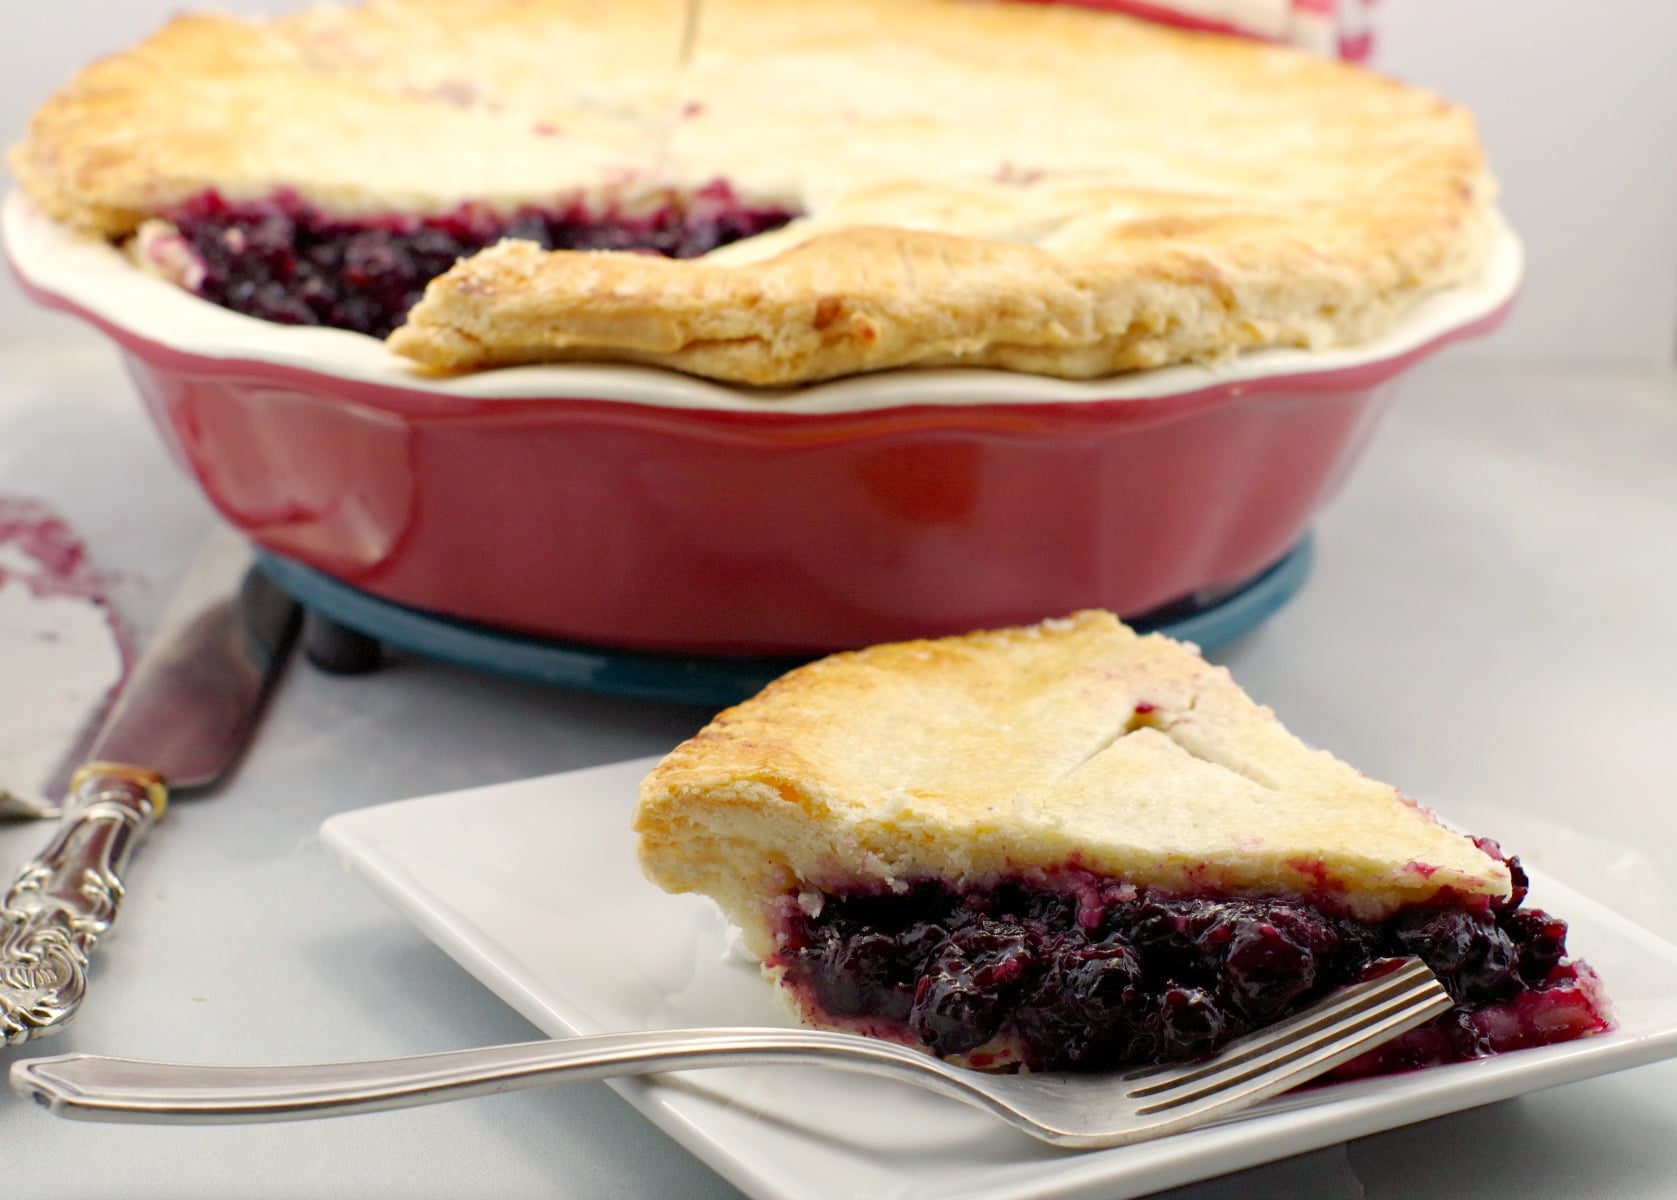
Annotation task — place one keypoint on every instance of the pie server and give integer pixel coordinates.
(187, 710)
(64, 657)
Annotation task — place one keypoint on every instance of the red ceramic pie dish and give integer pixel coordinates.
(637, 508)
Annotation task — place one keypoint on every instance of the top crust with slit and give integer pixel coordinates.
(1073, 743)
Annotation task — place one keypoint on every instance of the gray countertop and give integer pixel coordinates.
(1486, 626)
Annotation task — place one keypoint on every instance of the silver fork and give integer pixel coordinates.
(1065, 1110)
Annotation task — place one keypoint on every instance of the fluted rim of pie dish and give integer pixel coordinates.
(94, 279)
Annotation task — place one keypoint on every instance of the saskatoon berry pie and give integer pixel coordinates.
(1072, 847)
(815, 189)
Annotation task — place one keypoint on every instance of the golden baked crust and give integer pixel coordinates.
(1046, 189)
(397, 106)
(1073, 743)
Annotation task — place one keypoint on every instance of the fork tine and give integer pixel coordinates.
(1329, 1013)
(1213, 1104)
(1279, 1043)
(1287, 1065)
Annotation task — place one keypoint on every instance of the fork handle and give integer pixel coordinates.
(95, 1088)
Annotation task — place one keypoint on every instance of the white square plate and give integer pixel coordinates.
(534, 888)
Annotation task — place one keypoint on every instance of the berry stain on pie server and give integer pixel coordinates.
(1069, 846)
(63, 654)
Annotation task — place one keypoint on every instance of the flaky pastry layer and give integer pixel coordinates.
(1045, 189)
(1075, 743)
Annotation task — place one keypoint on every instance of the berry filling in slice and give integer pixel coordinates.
(1073, 972)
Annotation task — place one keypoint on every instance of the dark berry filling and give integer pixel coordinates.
(282, 260)
(1079, 973)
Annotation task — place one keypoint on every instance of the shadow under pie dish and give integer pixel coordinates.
(1071, 847)
(833, 346)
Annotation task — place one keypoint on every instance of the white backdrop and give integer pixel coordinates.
(1580, 117)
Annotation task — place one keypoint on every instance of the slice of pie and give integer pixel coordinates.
(816, 189)
(1069, 846)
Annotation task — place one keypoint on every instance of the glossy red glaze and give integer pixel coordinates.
(695, 531)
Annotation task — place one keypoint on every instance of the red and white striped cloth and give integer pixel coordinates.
(1340, 28)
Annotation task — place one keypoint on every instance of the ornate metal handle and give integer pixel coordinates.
(63, 901)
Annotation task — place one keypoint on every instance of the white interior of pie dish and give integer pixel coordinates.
(97, 280)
